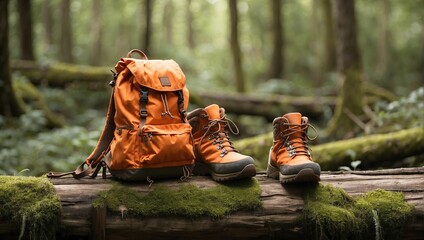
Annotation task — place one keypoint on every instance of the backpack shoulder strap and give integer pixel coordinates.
(98, 153)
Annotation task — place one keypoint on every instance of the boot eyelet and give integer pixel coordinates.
(223, 152)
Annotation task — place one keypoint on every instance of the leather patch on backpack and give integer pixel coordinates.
(165, 81)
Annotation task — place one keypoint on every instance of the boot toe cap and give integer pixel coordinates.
(232, 167)
(294, 169)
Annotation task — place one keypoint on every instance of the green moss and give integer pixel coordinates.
(30, 201)
(187, 200)
(392, 211)
(330, 213)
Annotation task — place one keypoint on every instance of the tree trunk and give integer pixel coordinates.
(148, 6)
(277, 60)
(330, 45)
(190, 28)
(9, 106)
(168, 22)
(282, 206)
(235, 46)
(317, 68)
(66, 44)
(48, 25)
(384, 38)
(376, 150)
(421, 65)
(25, 30)
(96, 33)
(351, 98)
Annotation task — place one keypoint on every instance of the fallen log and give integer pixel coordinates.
(282, 205)
(269, 106)
(373, 151)
(62, 74)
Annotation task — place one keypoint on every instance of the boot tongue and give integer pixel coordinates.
(294, 118)
(213, 112)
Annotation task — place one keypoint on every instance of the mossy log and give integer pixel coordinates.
(372, 150)
(282, 205)
(62, 74)
(269, 106)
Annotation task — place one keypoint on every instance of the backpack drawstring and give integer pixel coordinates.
(165, 105)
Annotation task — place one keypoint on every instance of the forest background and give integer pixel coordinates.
(247, 47)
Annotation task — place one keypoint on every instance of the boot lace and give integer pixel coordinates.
(296, 146)
(217, 130)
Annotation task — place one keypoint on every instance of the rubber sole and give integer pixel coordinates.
(247, 172)
(304, 175)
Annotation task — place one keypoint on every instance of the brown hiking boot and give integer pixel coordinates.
(290, 158)
(215, 153)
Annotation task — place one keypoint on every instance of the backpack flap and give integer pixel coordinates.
(159, 75)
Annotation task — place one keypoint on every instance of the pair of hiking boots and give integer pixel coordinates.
(289, 157)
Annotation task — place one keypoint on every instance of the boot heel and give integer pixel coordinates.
(271, 171)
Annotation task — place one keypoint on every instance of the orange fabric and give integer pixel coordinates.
(165, 140)
(208, 144)
(294, 132)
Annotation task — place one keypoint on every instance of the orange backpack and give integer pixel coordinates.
(146, 134)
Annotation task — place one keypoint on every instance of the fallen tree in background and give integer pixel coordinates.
(372, 150)
(265, 105)
(268, 106)
(62, 74)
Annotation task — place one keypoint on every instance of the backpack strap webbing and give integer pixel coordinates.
(93, 161)
(181, 105)
(143, 111)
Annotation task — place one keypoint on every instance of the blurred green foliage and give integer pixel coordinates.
(404, 113)
(27, 143)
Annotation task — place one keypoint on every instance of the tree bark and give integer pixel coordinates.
(9, 106)
(351, 98)
(25, 30)
(168, 22)
(148, 27)
(96, 33)
(277, 59)
(384, 38)
(282, 206)
(66, 39)
(376, 150)
(330, 45)
(48, 25)
(235, 47)
(190, 28)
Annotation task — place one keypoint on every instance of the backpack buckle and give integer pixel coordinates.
(143, 95)
(115, 76)
(143, 113)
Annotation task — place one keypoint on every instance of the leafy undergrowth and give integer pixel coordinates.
(330, 213)
(185, 201)
(31, 203)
